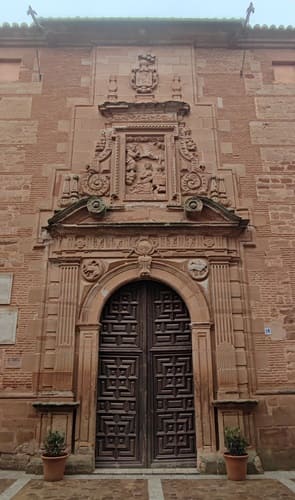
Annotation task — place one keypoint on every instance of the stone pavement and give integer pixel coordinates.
(113, 485)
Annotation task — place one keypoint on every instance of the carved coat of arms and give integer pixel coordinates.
(144, 79)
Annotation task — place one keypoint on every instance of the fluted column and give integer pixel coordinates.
(66, 321)
(227, 380)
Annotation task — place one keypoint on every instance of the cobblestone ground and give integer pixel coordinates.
(149, 487)
(74, 489)
(4, 483)
(225, 490)
(153, 489)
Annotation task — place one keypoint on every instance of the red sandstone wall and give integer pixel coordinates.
(255, 117)
(35, 135)
(47, 126)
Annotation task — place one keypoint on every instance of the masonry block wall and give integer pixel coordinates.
(243, 126)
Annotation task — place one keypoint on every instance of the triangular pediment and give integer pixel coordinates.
(199, 213)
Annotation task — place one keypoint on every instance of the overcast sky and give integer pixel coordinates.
(278, 12)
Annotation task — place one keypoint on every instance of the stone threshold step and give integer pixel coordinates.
(129, 471)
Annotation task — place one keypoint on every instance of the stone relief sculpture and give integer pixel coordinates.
(92, 269)
(97, 179)
(198, 269)
(113, 88)
(176, 88)
(144, 249)
(145, 166)
(194, 179)
(146, 152)
(144, 79)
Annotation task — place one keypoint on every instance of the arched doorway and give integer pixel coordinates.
(145, 403)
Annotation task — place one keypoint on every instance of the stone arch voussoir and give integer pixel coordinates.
(188, 289)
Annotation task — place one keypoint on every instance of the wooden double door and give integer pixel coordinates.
(145, 407)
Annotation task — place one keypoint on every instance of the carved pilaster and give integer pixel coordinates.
(65, 335)
(86, 386)
(203, 382)
(227, 380)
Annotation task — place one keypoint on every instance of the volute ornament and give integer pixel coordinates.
(96, 181)
(193, 206)
(96, 206)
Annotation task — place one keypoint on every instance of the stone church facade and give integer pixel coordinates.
(147, 236)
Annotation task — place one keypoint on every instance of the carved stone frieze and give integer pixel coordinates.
(182, 244)
(144, 79)
(144, 117)
(92, 269)
(198, 269)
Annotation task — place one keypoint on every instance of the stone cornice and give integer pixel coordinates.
(142, 31)
(108, 109)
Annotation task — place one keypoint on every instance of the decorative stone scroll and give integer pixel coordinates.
(194, 179)
(96, 206)
(97, 179)
(193, 206)
(144, 79)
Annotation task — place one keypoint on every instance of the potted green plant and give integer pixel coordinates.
(54, 456)
(236, 456)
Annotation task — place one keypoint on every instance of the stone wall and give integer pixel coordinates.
(244, 129)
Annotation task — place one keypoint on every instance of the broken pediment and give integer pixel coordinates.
(201, 213)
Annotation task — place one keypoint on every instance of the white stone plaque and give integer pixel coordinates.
(5, 287)
(8, 323)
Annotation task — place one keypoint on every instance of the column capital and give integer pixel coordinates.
(200, 326)
(95, 328)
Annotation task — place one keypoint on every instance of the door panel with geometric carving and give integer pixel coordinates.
(145, 407)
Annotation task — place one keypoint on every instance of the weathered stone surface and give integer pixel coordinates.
(235, 146)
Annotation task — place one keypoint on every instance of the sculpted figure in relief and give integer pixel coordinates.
(143, 177)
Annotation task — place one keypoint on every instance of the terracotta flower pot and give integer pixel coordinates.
(236, 466)
(54, 467)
